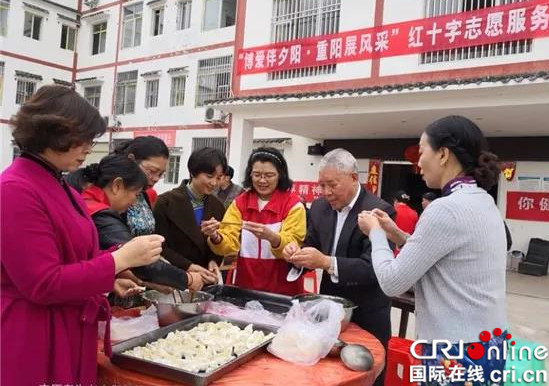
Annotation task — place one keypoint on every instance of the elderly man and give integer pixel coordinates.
(335, 244)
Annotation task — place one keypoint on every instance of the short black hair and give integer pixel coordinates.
(429, 196)
(229, 172)
(402, 196)
(143, 148)
(206, 160)
(56, 117)
(115, 166)
(466, 141)
(272, 155)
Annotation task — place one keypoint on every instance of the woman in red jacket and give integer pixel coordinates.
(406, 217)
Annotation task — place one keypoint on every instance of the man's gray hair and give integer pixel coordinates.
(339, 159)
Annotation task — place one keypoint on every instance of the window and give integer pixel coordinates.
(32, 26)
(177, 94)
(214, 79)
(68, 37)
(219, 143)
(435, 8)
(133, 17)
(184, 14)
(172, 172)
(99, 38)
(25, 89)
(93, 95)
(298, 19)
(219, 14)
(157, 21)
(151, 95)
(125, 92)
(4, 9)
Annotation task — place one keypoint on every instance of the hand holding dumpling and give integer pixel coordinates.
(367, 221)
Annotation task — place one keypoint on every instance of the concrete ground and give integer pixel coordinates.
(527, 309)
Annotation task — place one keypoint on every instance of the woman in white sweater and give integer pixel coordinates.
(455, 260)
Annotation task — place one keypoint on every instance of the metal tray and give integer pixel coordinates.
(276, 303)
(173, 373)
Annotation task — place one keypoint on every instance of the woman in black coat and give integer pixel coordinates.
(116, 181)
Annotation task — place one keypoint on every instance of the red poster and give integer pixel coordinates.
(515, 21)
(308, 189)
(529, 206)
(168, 136)
(372, 184)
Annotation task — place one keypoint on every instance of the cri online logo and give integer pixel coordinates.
(476, 351)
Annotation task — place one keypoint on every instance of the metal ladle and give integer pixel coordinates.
(355, 356)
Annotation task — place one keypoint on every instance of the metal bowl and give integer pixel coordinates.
(178, 305)
(348, 306)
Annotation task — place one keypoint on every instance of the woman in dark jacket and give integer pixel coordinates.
(116, 182)
(180, 212)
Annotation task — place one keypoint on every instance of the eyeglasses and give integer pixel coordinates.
(267, 176)
(152, 171)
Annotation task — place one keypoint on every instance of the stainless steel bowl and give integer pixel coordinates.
(348, 306)
(178, 305)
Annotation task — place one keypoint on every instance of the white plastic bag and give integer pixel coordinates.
(254, 312)
(308, 332)
(125, 327)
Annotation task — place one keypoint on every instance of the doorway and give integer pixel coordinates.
(400, 175)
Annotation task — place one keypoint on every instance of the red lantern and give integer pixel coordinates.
(411, 154)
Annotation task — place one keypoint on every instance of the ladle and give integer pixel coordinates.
(355, 356)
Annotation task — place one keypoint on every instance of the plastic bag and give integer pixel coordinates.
(127, 327)
(252, 313)
(308, 332)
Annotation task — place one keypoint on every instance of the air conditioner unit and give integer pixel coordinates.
(213, 115)
(91, 3)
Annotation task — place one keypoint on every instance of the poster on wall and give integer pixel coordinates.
(546, 184)
(529, 184)
(528, 206)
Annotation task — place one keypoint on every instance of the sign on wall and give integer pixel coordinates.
(168, 136)
(372, 183)
(516, 21)
(309, 190)
(529, 206)
(529, 184)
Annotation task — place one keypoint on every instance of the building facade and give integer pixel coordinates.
(183, 70)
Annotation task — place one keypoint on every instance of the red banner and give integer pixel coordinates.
(168, 136)
(529, 206)
(307, 189)
(516, 21)
(372, 184)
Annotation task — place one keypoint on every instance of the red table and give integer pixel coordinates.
(267, 370)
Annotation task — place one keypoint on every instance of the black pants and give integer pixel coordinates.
(378, 323)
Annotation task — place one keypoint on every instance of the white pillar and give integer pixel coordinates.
(6, 149)
(241, 145)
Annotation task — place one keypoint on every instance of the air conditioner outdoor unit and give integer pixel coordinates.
(91, 3)
(213, 115)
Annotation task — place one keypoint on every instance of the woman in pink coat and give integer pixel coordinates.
(53, 275)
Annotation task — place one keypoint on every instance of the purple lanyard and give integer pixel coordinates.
(458, 183)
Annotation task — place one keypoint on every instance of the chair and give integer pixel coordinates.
(536, 261)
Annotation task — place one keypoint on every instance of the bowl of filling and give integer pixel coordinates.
(177, 305)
